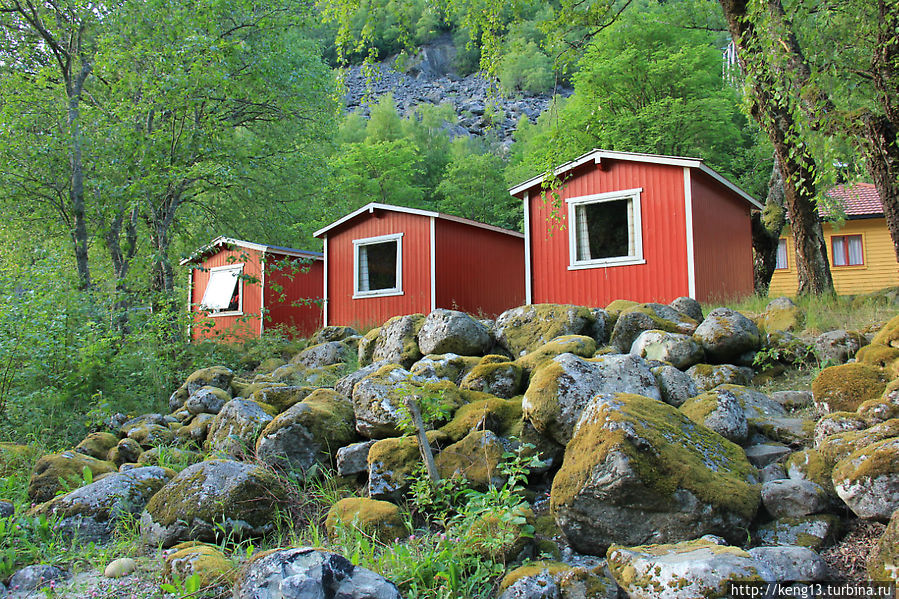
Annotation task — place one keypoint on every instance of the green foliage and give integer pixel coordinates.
(525, 67)
(188, 587)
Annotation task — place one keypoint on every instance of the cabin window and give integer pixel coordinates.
(847, 250)
(605, 230)
(224, 291)
(782, 263)
(378, 266)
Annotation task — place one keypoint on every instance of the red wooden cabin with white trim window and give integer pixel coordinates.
(642, 227)
(383, 261)
(238, 289)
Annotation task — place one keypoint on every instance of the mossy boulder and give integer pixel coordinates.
(127, 451)
(836, 347)
(883, 559)
(207, 400)
(839, 446)
(679, 350)
(709, 376)
(490, 413)
(675, 386)
(235, 429)
(379, 519)
(645, 317)
(579, 345)
(616, 307)
(391, 462)
(332, 333)
(308, 435)
(91, 512)
(557, 580)
(561, 388)
(476, 458)
(877, 355)
(781, 314)
(721, 412)
(499, 378)
(812, 532)
(269, 365)
(522, 330)
(68, 466)
(836, 423)
(170, 457)
(846, 386)
(15, 458)
(397, 341)
(684, 570)
(725, 335)
(688, 306)
(324, 354)
(195, 430)
(281, 397)
(212, 499)
(178, 397)
(97, 445)
(379, 399)
(207, 562)
(875, 411)
(888, 334)
(450, 331)
(366, 347)
(449, 367)
(151, 435)
(214, 376)
(638, 469)
(868, 480)
(813, 466)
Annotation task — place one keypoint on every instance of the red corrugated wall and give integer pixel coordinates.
(293, 294)
(722, 233)
(363, 312)
(664, 276)
(228, 327)
(479, 271)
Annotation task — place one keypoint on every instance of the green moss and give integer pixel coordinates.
(813, 466)
(883, 560)
(579, 345)
(839, 446)
(367, 346)
(206, 561)
(492, 413)
(541, 323)
(878, 410)
(698, 408)
(281, 397)
(15, 459)
(889, 334)
(380, 519)
(532, 569)
(877, 459)
(880, 356)
(498, 537)
(68, 466)
(496, 378)
(397, 457)
(845, 387)
(97, 445)
(687, 325)
(615, 309)
(685, 455)
(476, 457)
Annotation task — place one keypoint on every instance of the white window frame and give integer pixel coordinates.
(396, 290)
(626, 194)
(215, 313)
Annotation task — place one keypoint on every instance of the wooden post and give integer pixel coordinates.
(423, 446)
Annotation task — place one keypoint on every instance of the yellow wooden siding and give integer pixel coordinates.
(879, 270)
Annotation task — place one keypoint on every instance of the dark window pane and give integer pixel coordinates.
(381, 265)
(607, 229)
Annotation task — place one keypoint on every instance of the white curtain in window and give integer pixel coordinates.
(839, 251)
(220, 288)
(855, 249)
(631, 251)
(582, 234)
(363, 268)
(781, 254)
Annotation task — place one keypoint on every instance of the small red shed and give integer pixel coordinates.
(642, 227)
(383, 261)
(238, 289)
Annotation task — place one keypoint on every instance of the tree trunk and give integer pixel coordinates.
(883, 165)
(771, 107)
(74, 89)
(767, 226)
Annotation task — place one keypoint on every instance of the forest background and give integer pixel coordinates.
(134, 131)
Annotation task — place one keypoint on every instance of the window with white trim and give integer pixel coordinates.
(224, 291)
(378, 266)
(782, 263)
(847, 250)
(605, 229)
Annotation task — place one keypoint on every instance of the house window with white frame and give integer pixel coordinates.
(378, 266)
(847, 250)
(605, 229)
(782, 262)
(224, 291)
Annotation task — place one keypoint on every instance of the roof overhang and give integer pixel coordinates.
(371, 207)
(596, 156)
(222, 241)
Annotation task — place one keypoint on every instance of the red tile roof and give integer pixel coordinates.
(857, 199)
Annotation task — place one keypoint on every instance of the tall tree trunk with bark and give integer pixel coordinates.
(772, 107)
(74, 89)
(767, 225)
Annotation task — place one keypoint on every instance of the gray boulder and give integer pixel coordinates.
(35, 578)
(324, 354)
(496, 376)
(207, 400)
(345, 385)
(836, 347)
(7, 509)
(761, 455)
(793, 399)
(708, 376)
(353, 459)
(688, 306)
(808, 531)
(332, 333)
(561, 388)
(234, 430)
(450, 331)
(397, 341)
(868, 480)
(639, 471)
(91, 512)
(524, 329)
(377, 400)
(726, 334)
(720, 412)
(675, 386)
(790, 498)
(645, 317)
(601, 328)
(214, 376)
(448, 367)
(212, 499)
(680, 350)
(308, 573)
(791, 564)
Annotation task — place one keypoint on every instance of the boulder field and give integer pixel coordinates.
(664, 473)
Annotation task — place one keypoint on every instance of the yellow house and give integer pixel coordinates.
(860, 250)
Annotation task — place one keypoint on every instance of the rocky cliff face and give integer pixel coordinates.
(430, 78)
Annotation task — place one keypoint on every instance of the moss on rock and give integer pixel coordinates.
(524, 329)
(68, 466)
(867, 479)
(889, 334)
(579, 345)
(208, 563)
(97, 445)
(491, 413)
(16, 458)
(530, 570)
(379, 519)
(811, 465)
(846, 386)
(476, 458)
(883, 559)
(499, 378)
(877, 355)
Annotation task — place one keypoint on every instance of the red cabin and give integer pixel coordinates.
(633, 226)
(383, 261)
(238, 289)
